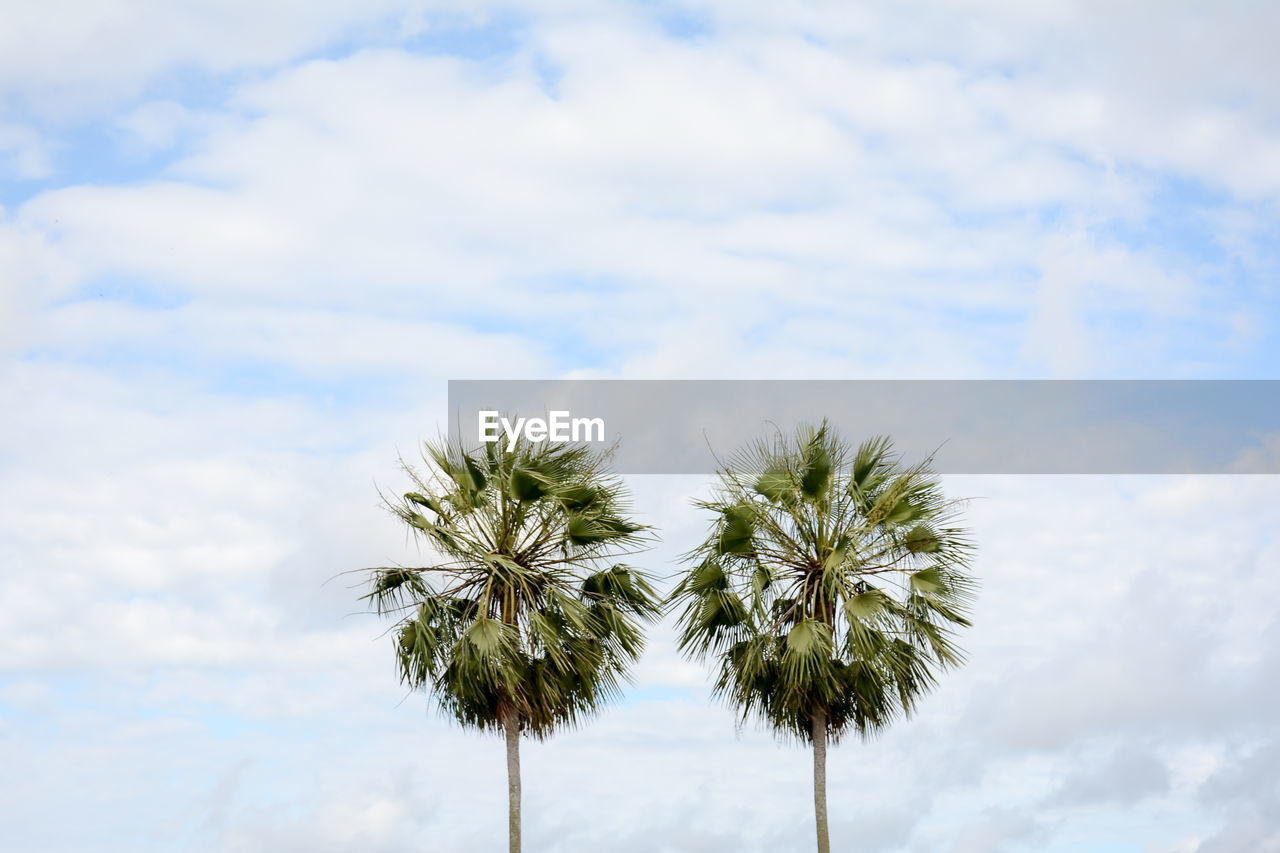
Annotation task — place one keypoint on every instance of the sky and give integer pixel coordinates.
(243, 247)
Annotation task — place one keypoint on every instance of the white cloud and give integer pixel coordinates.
(24, 155)
(340, 183)
(65, 57)
(218, 360)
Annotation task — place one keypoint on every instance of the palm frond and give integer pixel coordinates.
(832, 578)
(527, 606)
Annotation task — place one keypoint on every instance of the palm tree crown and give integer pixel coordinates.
(830, 584)
(525, 607)
(523, 622)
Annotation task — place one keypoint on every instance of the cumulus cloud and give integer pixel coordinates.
(217, 345)
(674, 187)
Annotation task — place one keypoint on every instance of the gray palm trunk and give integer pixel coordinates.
(820, 779)
(512, 724)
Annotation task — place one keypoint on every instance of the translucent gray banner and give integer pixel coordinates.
(972, 426)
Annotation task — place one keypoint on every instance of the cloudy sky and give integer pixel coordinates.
(243, 246)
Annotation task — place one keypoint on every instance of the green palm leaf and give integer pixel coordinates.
(524, 621)
(829, 589)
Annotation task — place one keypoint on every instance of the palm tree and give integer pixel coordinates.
(828, 589)
(522, 622)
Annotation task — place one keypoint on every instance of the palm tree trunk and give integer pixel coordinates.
(819, 722)
(512, 724)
